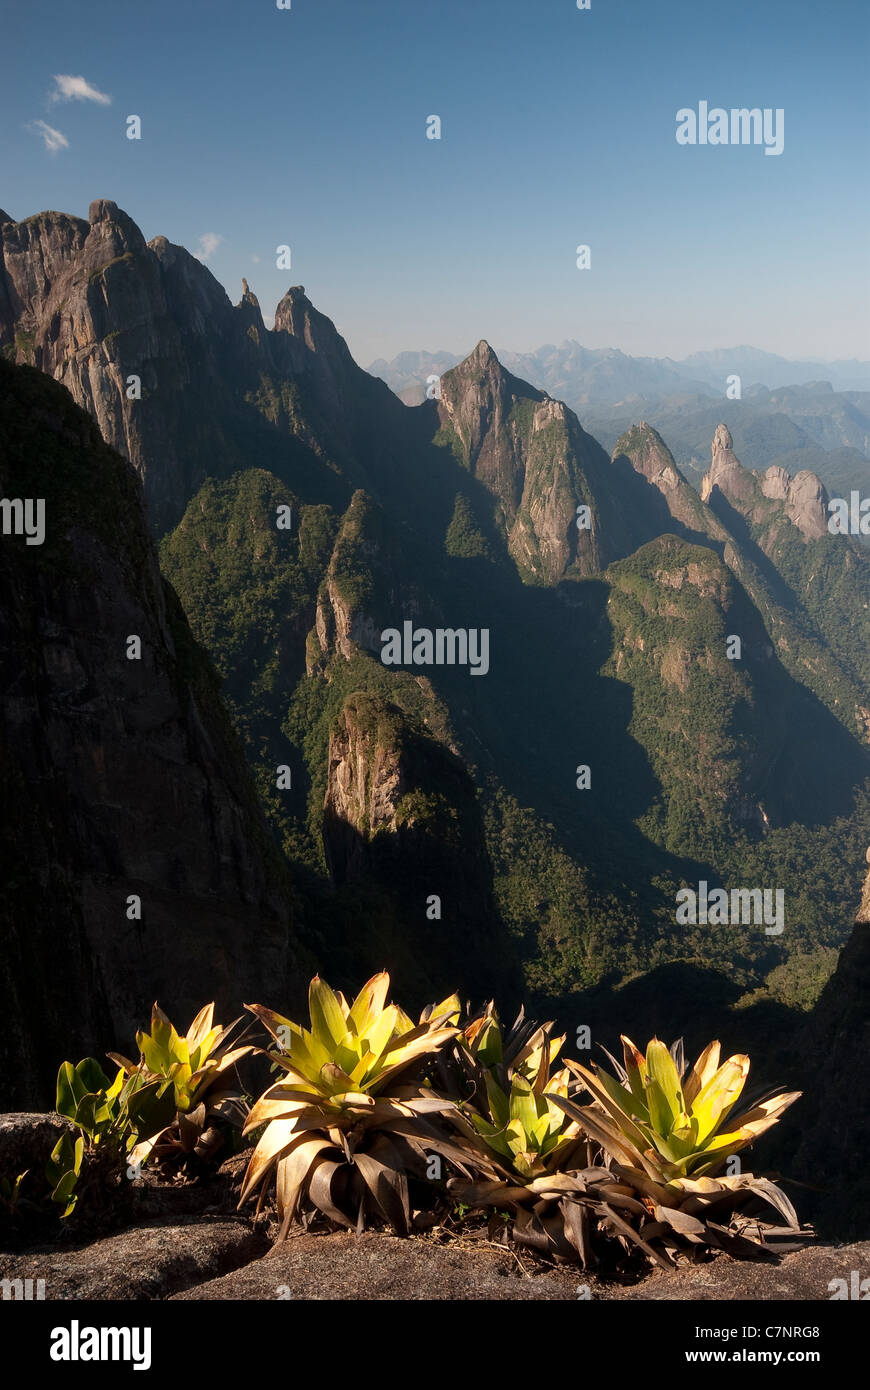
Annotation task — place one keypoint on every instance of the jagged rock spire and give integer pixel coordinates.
(804, 496)
(726, 471)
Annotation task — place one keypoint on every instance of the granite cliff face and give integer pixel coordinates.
(95, 306)
(531, 453)
(366, 588)
(714, 722)
(649, 456)
(92, 305)
(123, 778)
(400, 811)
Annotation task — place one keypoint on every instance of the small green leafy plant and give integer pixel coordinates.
(111, 1117)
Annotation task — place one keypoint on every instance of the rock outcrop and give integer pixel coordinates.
(803, 498)
(532, 455)
(366, 587)
(643, 447)
(154, 1260)
(368, 778)
(400, 811)
(775, 483)
(138, 864)
(806, 505)
(224, 1259)
(726, 472)
(181, 382)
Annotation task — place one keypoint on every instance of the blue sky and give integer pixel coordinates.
(307, 127)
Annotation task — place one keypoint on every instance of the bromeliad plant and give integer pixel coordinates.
(667, 1133)
(111, 1118)
(536, 1158)
(193, 1072)
(512, 1105)
(366, 1097)
(350, 1119)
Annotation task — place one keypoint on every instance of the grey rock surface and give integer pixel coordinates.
(148, 1262)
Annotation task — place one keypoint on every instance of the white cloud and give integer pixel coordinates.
(256, 260)
(208, 244)
(77, 89)
(54, 140)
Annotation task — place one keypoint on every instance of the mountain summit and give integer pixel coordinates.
(180, 381)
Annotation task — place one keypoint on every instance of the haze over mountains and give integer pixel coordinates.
(609, 650)
(603, 375)
(800, 415)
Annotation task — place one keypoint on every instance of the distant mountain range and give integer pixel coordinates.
(602, 376)
(610, 588)
(799, 415)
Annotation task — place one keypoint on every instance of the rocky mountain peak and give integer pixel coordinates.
(292, 309)
(251, 315)
(481, 381)
(297, 316)
(483, 356)
(724, 462)
(108, 220)
(722, 441)
(293, 313)
(477, 405)
(805, 499)
(103, 210)
(727, 472)
(650, 456)
(533, 456)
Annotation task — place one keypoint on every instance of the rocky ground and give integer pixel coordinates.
(220, 1257)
